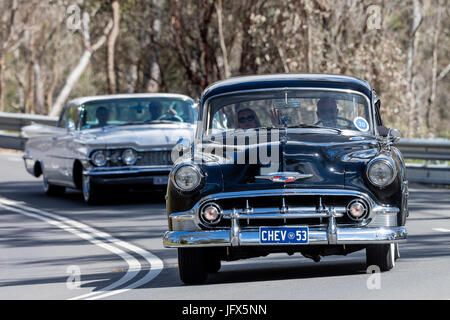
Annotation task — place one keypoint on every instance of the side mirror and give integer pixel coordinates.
(70, 126)
(181, 148)
(183, 145)
(394, 135)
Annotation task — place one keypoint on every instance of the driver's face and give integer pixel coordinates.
(246, 120)
(102, 115)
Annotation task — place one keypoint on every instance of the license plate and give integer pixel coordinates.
(160, 180)
(297, 235)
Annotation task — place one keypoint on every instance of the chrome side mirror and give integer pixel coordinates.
(394, 135)
(181, 148)
(70, 126)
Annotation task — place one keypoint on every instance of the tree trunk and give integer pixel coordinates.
(111, 44)
(38, 89)
(226, 66)
(2, 83)
(82, 63)
(70, 82)
(416, 21)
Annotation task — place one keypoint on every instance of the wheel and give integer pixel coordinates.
(381, 255)
(51, 189)
(90, 191)
(192, 265)
(397, 252)
(213, 265)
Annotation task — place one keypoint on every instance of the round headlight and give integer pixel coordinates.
(99, 158)
(380, 172)
(129, 157)
(187, 177)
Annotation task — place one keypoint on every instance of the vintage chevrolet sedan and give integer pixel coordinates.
(287, 163)
(122, 140)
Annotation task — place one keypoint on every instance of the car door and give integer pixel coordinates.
(62, 155)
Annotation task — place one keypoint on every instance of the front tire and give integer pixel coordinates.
(381, 255)
(90, 191)
(192, 265)
(51, 189)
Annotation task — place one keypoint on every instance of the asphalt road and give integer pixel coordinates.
(61, 248)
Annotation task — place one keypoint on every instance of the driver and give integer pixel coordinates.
(247, 119)
(327, 112)
(102, 114)
(156, 110)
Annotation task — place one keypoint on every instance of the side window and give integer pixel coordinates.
(63, 117)
(377, 113)
(70, 113)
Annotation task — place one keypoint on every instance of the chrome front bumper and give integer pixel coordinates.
(317, 236)
(380, 226)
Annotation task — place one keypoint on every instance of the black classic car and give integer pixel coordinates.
(287, 163)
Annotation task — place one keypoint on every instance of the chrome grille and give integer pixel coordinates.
(160, 157)
(284, 210)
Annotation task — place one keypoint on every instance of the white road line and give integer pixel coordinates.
(156, 264)
(441, 229)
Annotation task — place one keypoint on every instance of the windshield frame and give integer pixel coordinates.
(201, 130)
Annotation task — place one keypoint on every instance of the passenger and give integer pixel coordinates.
(247, 119)
(327, 112)
(156, 110)
(102, 114)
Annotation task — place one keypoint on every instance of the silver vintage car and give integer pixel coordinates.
(123, 139)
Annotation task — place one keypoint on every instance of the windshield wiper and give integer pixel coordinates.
(312, 126)
(162, 121)
(131, 123)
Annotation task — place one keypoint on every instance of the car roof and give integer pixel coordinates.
(83, 100)
(286, 81)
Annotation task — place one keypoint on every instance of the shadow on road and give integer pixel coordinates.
(29, 192)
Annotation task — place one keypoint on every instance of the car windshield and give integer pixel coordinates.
(103, 113)
(288, 109)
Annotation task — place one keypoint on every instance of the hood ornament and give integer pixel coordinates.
(284, 176)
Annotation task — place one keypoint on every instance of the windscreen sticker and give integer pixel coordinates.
(361, 124)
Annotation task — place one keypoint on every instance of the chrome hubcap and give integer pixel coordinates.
(86, 188)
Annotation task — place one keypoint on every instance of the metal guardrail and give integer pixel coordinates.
(434, 152)
(14, 122)
(430, 150)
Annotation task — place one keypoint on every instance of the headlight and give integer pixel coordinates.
(99, 158)
(187, 177)
(129, 157)
(381, 172)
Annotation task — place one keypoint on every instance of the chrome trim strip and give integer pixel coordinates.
(131, 170)
(289, 213)
(317, 236)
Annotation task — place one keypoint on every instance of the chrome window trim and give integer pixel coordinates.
(200, 133)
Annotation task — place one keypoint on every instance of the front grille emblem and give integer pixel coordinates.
(284, 176)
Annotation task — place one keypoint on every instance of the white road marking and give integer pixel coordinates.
(441, 229)
(156, 264)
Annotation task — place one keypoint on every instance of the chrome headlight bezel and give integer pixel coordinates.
(133, 159)
(195, 170)
(389, 163)
(99, 162)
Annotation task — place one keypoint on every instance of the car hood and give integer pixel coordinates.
(138, 136)
(318, 158)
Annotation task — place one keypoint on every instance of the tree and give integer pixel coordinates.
(89, 50)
